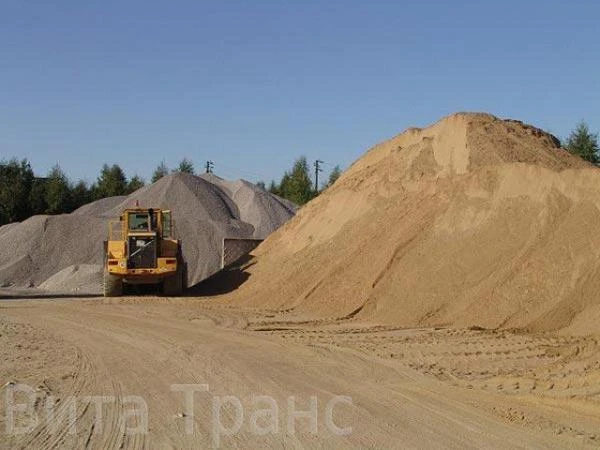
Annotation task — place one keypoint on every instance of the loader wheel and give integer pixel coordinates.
(173, 286)
(184, 277)
(113, 284)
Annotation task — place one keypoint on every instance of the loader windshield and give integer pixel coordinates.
(139, 221)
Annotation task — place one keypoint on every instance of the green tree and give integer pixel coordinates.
(284, 185)
(81, 194)
(334, 175)
(16, 182)
(37, 196)
(135, 183)
(261, 184)
(584, 143)
(112, 182)
(185, 166)
(296, 185)
(273, 188)
(57, 192)
(161, 171)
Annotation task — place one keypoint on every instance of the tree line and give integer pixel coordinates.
(297, 186)
(23, 195)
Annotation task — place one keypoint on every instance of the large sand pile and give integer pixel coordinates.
(205, 210)
(471, 221)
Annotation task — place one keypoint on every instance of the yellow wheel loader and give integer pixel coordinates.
(141, 250)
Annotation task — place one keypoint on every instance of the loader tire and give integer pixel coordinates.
(173, 285)
(113, 285)
(184, 277)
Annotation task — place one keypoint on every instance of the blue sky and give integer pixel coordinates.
(252, 85)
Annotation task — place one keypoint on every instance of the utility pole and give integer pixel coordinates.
(210, 166)
(318, 169)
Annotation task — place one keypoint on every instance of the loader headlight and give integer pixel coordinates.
(122, 264)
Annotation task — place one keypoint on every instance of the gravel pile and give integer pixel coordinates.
(205, 210)
(252, 202)
(79, 278)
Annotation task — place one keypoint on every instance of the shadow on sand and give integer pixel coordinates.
(225, 281)
(22, 294)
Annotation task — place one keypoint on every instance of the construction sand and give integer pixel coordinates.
(43, 251)
(474, 221)
(410, 388)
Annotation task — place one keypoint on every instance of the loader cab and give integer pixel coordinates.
(143, 221)
(143, 230)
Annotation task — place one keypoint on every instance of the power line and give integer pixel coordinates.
(209, 167)
(318, 169)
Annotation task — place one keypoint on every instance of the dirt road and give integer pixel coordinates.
(257, 383)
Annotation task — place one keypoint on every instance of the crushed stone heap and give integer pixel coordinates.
(205, 210)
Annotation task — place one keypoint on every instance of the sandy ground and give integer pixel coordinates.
(450, 388)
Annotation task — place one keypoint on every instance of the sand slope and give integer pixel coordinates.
(472, 221)
(204, 212)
